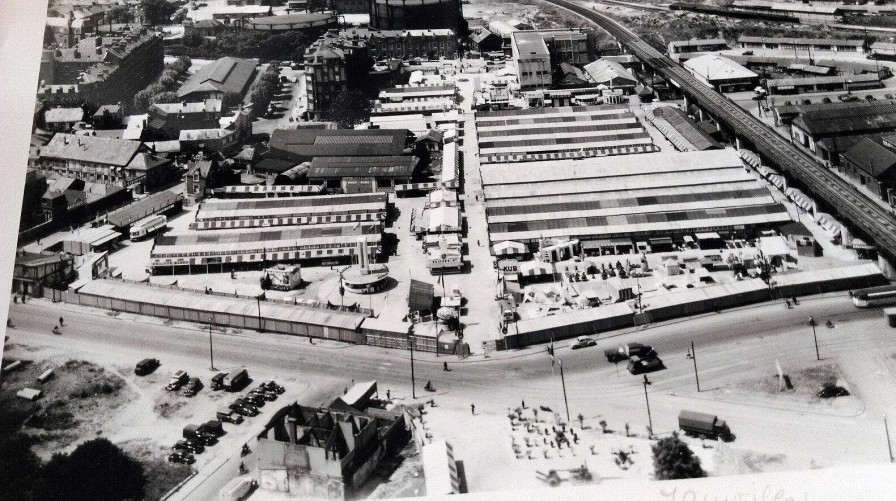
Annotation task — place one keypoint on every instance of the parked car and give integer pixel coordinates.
(256, 400)
(191, 446)
(218, 381)
(213, 427)
(848, 98)
(273, 386)
(244, 408)
(830, 390)
(179, 379)
(147, 366)
(181, 457)
(193, 386)
(583, 342)
(638, 365)
(267, 395)
(229, 416)
(198, 432)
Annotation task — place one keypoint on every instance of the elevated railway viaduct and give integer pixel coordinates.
(867, 218)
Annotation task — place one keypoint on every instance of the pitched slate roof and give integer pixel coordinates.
(872, 157)
(854, 118)
(228, 74)
(94, 149)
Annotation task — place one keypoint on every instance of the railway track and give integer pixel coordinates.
(865, 215)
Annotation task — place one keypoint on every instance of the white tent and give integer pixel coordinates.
(508, 248)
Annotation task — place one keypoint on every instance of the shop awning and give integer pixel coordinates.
(535, 268)
(508, 248)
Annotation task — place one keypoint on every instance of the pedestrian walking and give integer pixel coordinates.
(524, 404)
(473, 409)
(15, 299)
(388, 395)
(61, 322)
(445, 366)
(344, 391)
(310, 340)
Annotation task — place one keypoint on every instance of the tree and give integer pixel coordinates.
(19, 469)
(119, 14)
(158, 11)
(673, 459)
(193, 38)
(165, 97)
(142, 99)
(231, 99)
(96, 470)
(348, 109)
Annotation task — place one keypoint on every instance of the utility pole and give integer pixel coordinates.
(211, 352)
(889, 446)
(646, 399)
(694, 357)
(563, 382)
(413, 385)
(813, 323)
(260, 324)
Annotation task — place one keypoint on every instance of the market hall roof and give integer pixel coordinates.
(385, 166)
(309, 143)
(228, 74)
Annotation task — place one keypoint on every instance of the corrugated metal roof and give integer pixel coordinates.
(713, 67)
(382, 166)
(152, 204)
(855, 118)
(576, 317)
(301, 144)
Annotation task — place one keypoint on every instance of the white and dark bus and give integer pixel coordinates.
(148, 226)
(874, 296)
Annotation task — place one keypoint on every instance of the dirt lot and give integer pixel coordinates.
(77, 401)
(806, 382)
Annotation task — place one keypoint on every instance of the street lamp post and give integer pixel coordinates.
(211, 352)
(646, 399)
(694, 357)
(413, 385)
(813, 323)
(563, 382)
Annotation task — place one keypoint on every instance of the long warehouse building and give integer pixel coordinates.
(217, 250)
(557, 133)
(602, 199)
(216, 214)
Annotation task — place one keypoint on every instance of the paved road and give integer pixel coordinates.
(729, 345)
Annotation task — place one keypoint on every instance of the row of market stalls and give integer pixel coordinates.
(686, 302)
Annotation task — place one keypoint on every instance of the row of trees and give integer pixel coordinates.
(165, 89)
(249, 44)
(263, 90)
(96, 470)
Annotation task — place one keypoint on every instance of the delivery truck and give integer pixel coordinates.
(236, 380)
(703, 425)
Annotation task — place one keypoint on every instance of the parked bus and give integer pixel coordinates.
(148, 226)
(874, 296)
